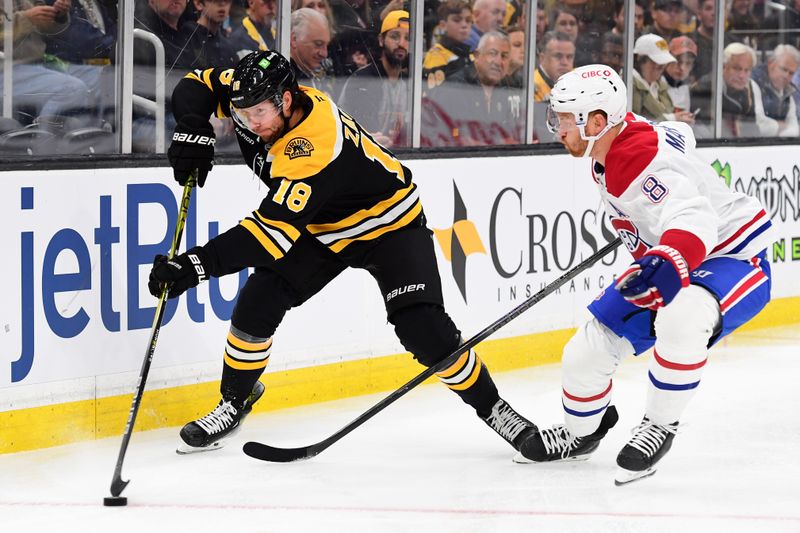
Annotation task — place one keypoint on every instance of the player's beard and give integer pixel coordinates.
(272, 137)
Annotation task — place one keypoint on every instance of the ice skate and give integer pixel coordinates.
(638, 458)
(213, 430)
(507, 423)
(558, 444)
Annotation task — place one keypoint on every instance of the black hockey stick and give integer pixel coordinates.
(265, 452)
(117, 483)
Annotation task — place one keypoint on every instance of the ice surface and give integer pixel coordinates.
(427, 463)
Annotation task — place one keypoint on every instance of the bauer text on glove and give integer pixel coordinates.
(180, 273)
(192, 149)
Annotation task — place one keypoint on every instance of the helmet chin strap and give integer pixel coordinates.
(592, 139)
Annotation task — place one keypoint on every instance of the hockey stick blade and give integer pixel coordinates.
(273, 454)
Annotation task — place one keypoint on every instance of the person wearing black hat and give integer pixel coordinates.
(666, 16)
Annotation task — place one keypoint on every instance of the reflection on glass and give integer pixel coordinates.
(473, 80)
(61, 100)
(377, 93)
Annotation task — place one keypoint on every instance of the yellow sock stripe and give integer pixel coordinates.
(470, 381)
(245, 346)
(265, 241)
(242, 365)
(411, 215)
(455, 368)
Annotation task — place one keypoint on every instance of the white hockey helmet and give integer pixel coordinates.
(586, 89)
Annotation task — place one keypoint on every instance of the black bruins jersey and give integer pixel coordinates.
(327, 177)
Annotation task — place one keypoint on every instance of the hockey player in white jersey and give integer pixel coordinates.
(699, 272)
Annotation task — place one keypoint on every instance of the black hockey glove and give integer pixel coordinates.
(192, 149)
(181, 273)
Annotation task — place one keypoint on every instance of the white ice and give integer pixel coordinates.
(427, 463)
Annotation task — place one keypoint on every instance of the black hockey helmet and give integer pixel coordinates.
(261, 76)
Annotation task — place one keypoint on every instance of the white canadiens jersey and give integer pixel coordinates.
(654, 182)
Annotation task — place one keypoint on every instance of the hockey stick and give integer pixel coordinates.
(265, 452)
(117, 483)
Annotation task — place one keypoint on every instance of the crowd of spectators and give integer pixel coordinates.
(473, 66)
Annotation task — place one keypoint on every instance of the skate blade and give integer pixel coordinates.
(623, 476)
(185, 449)
(522, 460)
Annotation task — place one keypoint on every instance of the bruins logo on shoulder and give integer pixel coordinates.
(298, 147)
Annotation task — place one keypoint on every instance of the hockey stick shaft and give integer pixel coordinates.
(265, 452)
(117, 483)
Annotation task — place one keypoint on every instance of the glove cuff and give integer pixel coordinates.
(198, 259)
(674, 258)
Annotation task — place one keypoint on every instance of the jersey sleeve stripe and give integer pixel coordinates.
(283, 241)
(290, 231)
(264, 238)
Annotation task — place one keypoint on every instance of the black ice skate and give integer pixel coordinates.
(507, 423)
(650, 442)
(213, 430)
(558, 444)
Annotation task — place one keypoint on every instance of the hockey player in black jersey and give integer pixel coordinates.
(336, 199)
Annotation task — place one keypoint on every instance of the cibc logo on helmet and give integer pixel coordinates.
(596, 73)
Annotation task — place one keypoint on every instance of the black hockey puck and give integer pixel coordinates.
(115, 501)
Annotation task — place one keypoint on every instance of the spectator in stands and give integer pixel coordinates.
(556, 57)
(85, 49)
(356, 32)
(787, 22)
(541, 21)
(48, 92)
(743, 24)
(703, 37)
(212, 46)
(619, 18)
(515, 13)
(666, 15)
(320, 5)
(255, 32)
(612, 51)
(650, 97)
(163, 19)
(777, 91)
(678, 74)
(377, 94)
(796, 83)
(309, 42)
(452, 53)
(742, 106)
(487, 16)
(516, 60)
(89, 38)
(483, 109)
(565, 21)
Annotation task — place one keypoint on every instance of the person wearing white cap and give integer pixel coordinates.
(650, 92)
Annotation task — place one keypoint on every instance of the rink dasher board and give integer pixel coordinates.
(77, 313)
